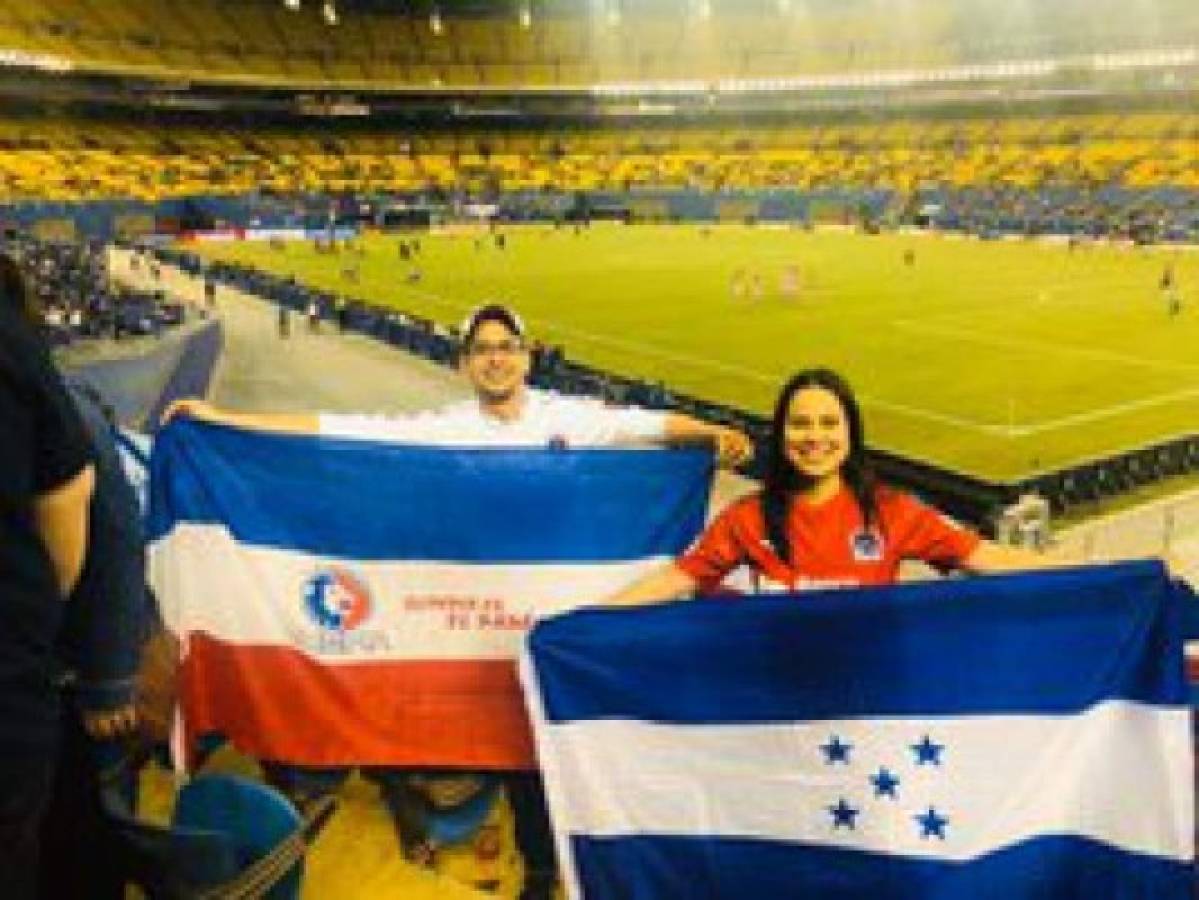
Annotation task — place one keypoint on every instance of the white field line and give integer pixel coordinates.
(776, 379)
(996, 430)
(975, 337)
(1106, 412)
(1091, 415)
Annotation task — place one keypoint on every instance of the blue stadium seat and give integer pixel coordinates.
(231, 838)
(256, 818)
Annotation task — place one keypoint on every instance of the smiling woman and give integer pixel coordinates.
(822, 519)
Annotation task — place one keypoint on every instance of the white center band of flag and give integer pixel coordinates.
(1047, 779)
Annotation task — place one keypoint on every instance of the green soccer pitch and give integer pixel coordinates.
(998, 359)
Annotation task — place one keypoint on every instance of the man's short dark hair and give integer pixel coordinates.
(491, 312)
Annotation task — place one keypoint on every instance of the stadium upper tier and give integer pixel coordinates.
(259, 41)
(71, 160)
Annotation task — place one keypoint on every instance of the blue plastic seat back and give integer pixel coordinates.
(166, 862)
(255, 817)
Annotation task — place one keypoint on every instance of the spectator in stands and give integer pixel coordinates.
(505, 412)
(822, 520)
(104, 627)
(69, 282)
(496, 360)
(44, 500)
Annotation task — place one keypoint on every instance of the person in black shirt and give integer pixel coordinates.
(107, 619)
(45, 492)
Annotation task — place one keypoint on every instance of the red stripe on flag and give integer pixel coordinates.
(276, 703)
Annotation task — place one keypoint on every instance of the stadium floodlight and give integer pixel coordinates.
(45, 61)
(329, 11)
(293, 5)
(526, 16)
(435, 24)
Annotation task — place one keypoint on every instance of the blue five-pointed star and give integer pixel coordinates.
(843, 814)
(927, 752)
(932, 824)
(885, 784)
(835, 751)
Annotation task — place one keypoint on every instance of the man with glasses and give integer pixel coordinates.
(505, 412)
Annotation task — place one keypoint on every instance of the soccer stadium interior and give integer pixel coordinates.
(984, 212)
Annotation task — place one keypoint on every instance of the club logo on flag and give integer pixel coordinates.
(337, 600)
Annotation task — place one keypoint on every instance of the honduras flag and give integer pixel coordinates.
(343, 601)
(1009, 737)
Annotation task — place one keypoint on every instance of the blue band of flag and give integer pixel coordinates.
(484, 505)
(1046, 643)
(1048, 868)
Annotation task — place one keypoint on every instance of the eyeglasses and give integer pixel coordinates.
(499, 348)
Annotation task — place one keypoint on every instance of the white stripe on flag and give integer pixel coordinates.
(1107, 774)
(420, 610)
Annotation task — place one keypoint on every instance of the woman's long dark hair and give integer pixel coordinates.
(783, 481)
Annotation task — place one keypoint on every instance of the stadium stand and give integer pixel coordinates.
(73, 160)
(487, 45)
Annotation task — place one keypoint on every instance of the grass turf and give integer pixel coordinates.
(998, 359)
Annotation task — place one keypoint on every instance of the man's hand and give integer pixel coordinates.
(1177, 567)
(111, 723)
(733, 447)
(202, 410)
(191, 407)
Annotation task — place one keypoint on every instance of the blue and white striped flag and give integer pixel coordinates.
(1016, 737)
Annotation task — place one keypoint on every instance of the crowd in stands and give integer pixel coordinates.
(1165, 216)
(69, 281)
(76, 160)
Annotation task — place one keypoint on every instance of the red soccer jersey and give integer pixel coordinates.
(829, 546)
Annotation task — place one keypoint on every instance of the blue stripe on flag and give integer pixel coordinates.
(369, 501)
(693, 868)
(1051, 642)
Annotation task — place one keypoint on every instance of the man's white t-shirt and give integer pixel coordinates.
(547, 419)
